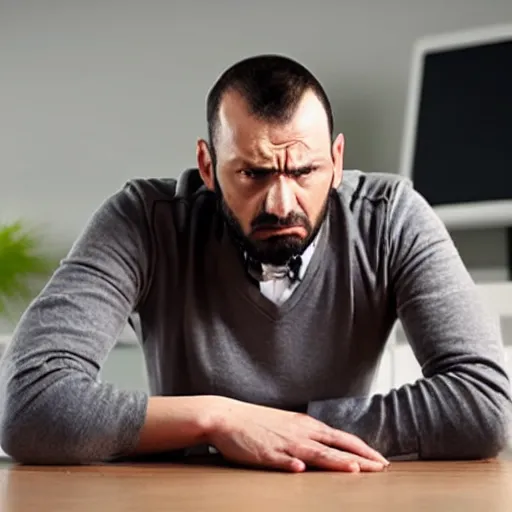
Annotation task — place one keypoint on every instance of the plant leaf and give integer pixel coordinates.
(22, 264)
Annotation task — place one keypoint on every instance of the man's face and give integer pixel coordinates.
(273, 179)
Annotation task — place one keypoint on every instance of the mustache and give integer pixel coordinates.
(269, 220)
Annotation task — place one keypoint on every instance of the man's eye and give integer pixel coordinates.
(297, 173)
(255, 173)
(259, 174)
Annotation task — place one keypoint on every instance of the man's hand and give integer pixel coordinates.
(262, 436)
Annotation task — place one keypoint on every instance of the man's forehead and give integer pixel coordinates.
(304, 137)
(236, 121)
(295, 155)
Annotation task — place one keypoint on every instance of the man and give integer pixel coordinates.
(263, 286)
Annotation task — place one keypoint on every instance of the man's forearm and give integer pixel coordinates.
(450, 416)
(462, 406)
(174, 423)
(73, 421)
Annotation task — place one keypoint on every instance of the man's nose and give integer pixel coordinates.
(280, 200)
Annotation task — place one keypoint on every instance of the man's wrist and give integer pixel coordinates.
(211, 416)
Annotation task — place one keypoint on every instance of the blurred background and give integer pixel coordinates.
(94, 93)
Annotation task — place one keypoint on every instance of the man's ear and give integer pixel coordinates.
(205, 164)
(338, 148)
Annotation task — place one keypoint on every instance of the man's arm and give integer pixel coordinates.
(53, 407)
(462, 406)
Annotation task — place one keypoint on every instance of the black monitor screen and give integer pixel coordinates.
(463, 150)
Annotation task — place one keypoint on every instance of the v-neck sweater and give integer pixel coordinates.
(157, 254)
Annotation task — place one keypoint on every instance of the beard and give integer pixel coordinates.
(275, 250)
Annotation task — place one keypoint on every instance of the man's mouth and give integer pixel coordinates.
(263, 232)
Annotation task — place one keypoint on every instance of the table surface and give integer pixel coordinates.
(405, 486)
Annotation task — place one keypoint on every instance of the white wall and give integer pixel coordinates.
(93, 93)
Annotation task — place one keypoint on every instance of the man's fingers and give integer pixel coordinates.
(287, 463)
(324, 457)
(349, 443)
(366, 464)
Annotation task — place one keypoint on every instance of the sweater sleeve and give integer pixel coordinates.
(461, 407)
(53, 407)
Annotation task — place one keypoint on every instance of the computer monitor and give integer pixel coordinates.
(457, 142)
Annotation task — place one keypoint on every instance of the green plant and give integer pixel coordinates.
(23, 265)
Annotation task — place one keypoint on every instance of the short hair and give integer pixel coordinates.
(272, 86)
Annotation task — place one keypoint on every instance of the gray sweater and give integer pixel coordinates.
(156, 254)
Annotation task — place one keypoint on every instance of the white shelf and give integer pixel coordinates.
(492, 214)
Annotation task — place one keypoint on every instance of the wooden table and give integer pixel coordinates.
(406, 486)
